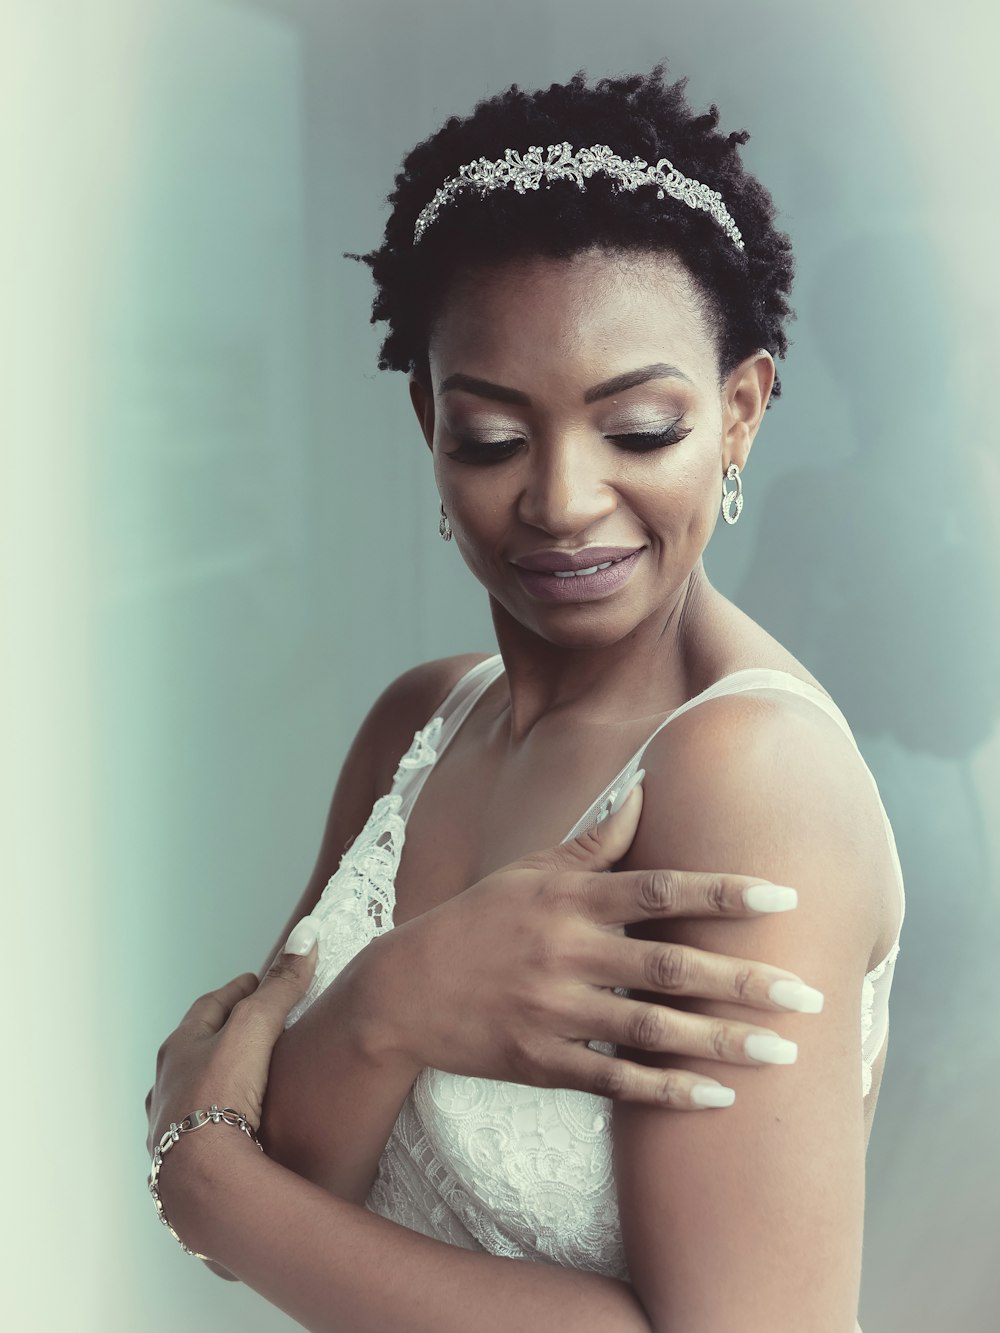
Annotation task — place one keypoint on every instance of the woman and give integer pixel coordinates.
(590, 330)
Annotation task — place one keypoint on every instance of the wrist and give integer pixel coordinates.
(197, 1178)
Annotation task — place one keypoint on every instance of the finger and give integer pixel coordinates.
(600, 846)
(625, 1081)
(645, 1026)
(284, 983)
(681, 969)
(625, 896)
(213, 1009)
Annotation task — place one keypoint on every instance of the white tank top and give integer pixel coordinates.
(502, 1167)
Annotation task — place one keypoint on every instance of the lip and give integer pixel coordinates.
(549, 587)
(546, 562)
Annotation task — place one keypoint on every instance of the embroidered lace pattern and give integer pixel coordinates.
(513, 1170)
(358, 902)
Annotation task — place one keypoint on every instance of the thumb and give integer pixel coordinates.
(287, 979)
(603, 844)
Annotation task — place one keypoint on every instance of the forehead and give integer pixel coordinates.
(565, 318)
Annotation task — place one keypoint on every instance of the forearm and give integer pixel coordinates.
(336, 1268)
(335, 1089)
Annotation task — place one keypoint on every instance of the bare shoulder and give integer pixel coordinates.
(769, 784)
(407, 704)
(766, 745)
(404, 706)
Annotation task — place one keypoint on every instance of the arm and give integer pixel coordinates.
(334, 1091)
(336, 1268)
(752, 1220)
(329, 1129)
(330, 1264)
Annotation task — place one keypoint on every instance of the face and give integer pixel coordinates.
(577, 420)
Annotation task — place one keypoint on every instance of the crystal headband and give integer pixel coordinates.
(560, 162)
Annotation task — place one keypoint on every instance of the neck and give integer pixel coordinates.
(648, 672)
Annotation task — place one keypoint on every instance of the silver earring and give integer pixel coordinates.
(731, 499)
(444, 527)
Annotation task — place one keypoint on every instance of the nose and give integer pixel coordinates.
(567, 490)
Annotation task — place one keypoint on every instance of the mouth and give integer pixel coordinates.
(584, 561)
(574, 581)
(581, 573)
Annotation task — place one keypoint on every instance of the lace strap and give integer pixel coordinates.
(431, 740)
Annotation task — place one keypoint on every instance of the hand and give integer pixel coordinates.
(221, 1050)
(511, 979)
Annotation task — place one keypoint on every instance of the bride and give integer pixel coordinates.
(588, 293)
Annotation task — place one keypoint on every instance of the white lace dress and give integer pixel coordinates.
(513, 1170)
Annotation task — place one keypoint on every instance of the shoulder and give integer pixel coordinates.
(766, 783)
(428, 683)
(763, 746)
(405, 705)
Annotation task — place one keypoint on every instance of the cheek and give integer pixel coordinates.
(479, 511)
(681, 503)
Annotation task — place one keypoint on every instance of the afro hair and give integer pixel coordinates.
(744, 292)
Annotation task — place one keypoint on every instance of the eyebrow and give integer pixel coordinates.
(619, 384)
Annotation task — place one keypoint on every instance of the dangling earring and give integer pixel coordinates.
(444, 527)
(731, 498)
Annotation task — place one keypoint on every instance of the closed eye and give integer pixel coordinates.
(475, 451)
(642, 441)
(497, 451)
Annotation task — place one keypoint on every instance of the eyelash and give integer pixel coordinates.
(475, 451)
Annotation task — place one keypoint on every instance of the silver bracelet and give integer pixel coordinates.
(194, 1120)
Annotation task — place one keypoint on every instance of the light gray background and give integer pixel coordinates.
(227, 526)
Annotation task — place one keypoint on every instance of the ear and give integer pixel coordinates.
(423, 404)
(744, 398)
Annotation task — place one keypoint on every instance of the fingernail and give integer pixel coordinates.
(798, 996)
(303, 937)
(712, 1094)
(770, 898)
(626, 791)
(770, 1049)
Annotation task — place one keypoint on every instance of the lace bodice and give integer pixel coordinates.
(514, 1170)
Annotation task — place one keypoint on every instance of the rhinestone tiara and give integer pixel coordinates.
(560, 162)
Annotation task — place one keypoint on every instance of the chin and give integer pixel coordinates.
(595, 624)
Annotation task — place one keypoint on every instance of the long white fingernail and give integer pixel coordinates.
(770, 898)
(712, 1094)
(770, 1049)
(798, 996)
(303, 936)
(629, 787)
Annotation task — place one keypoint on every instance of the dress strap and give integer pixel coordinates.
(736, 682)
(431, 740)
(762, 678)
(739, 682)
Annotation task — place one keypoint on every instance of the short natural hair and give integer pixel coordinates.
(744, 292)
